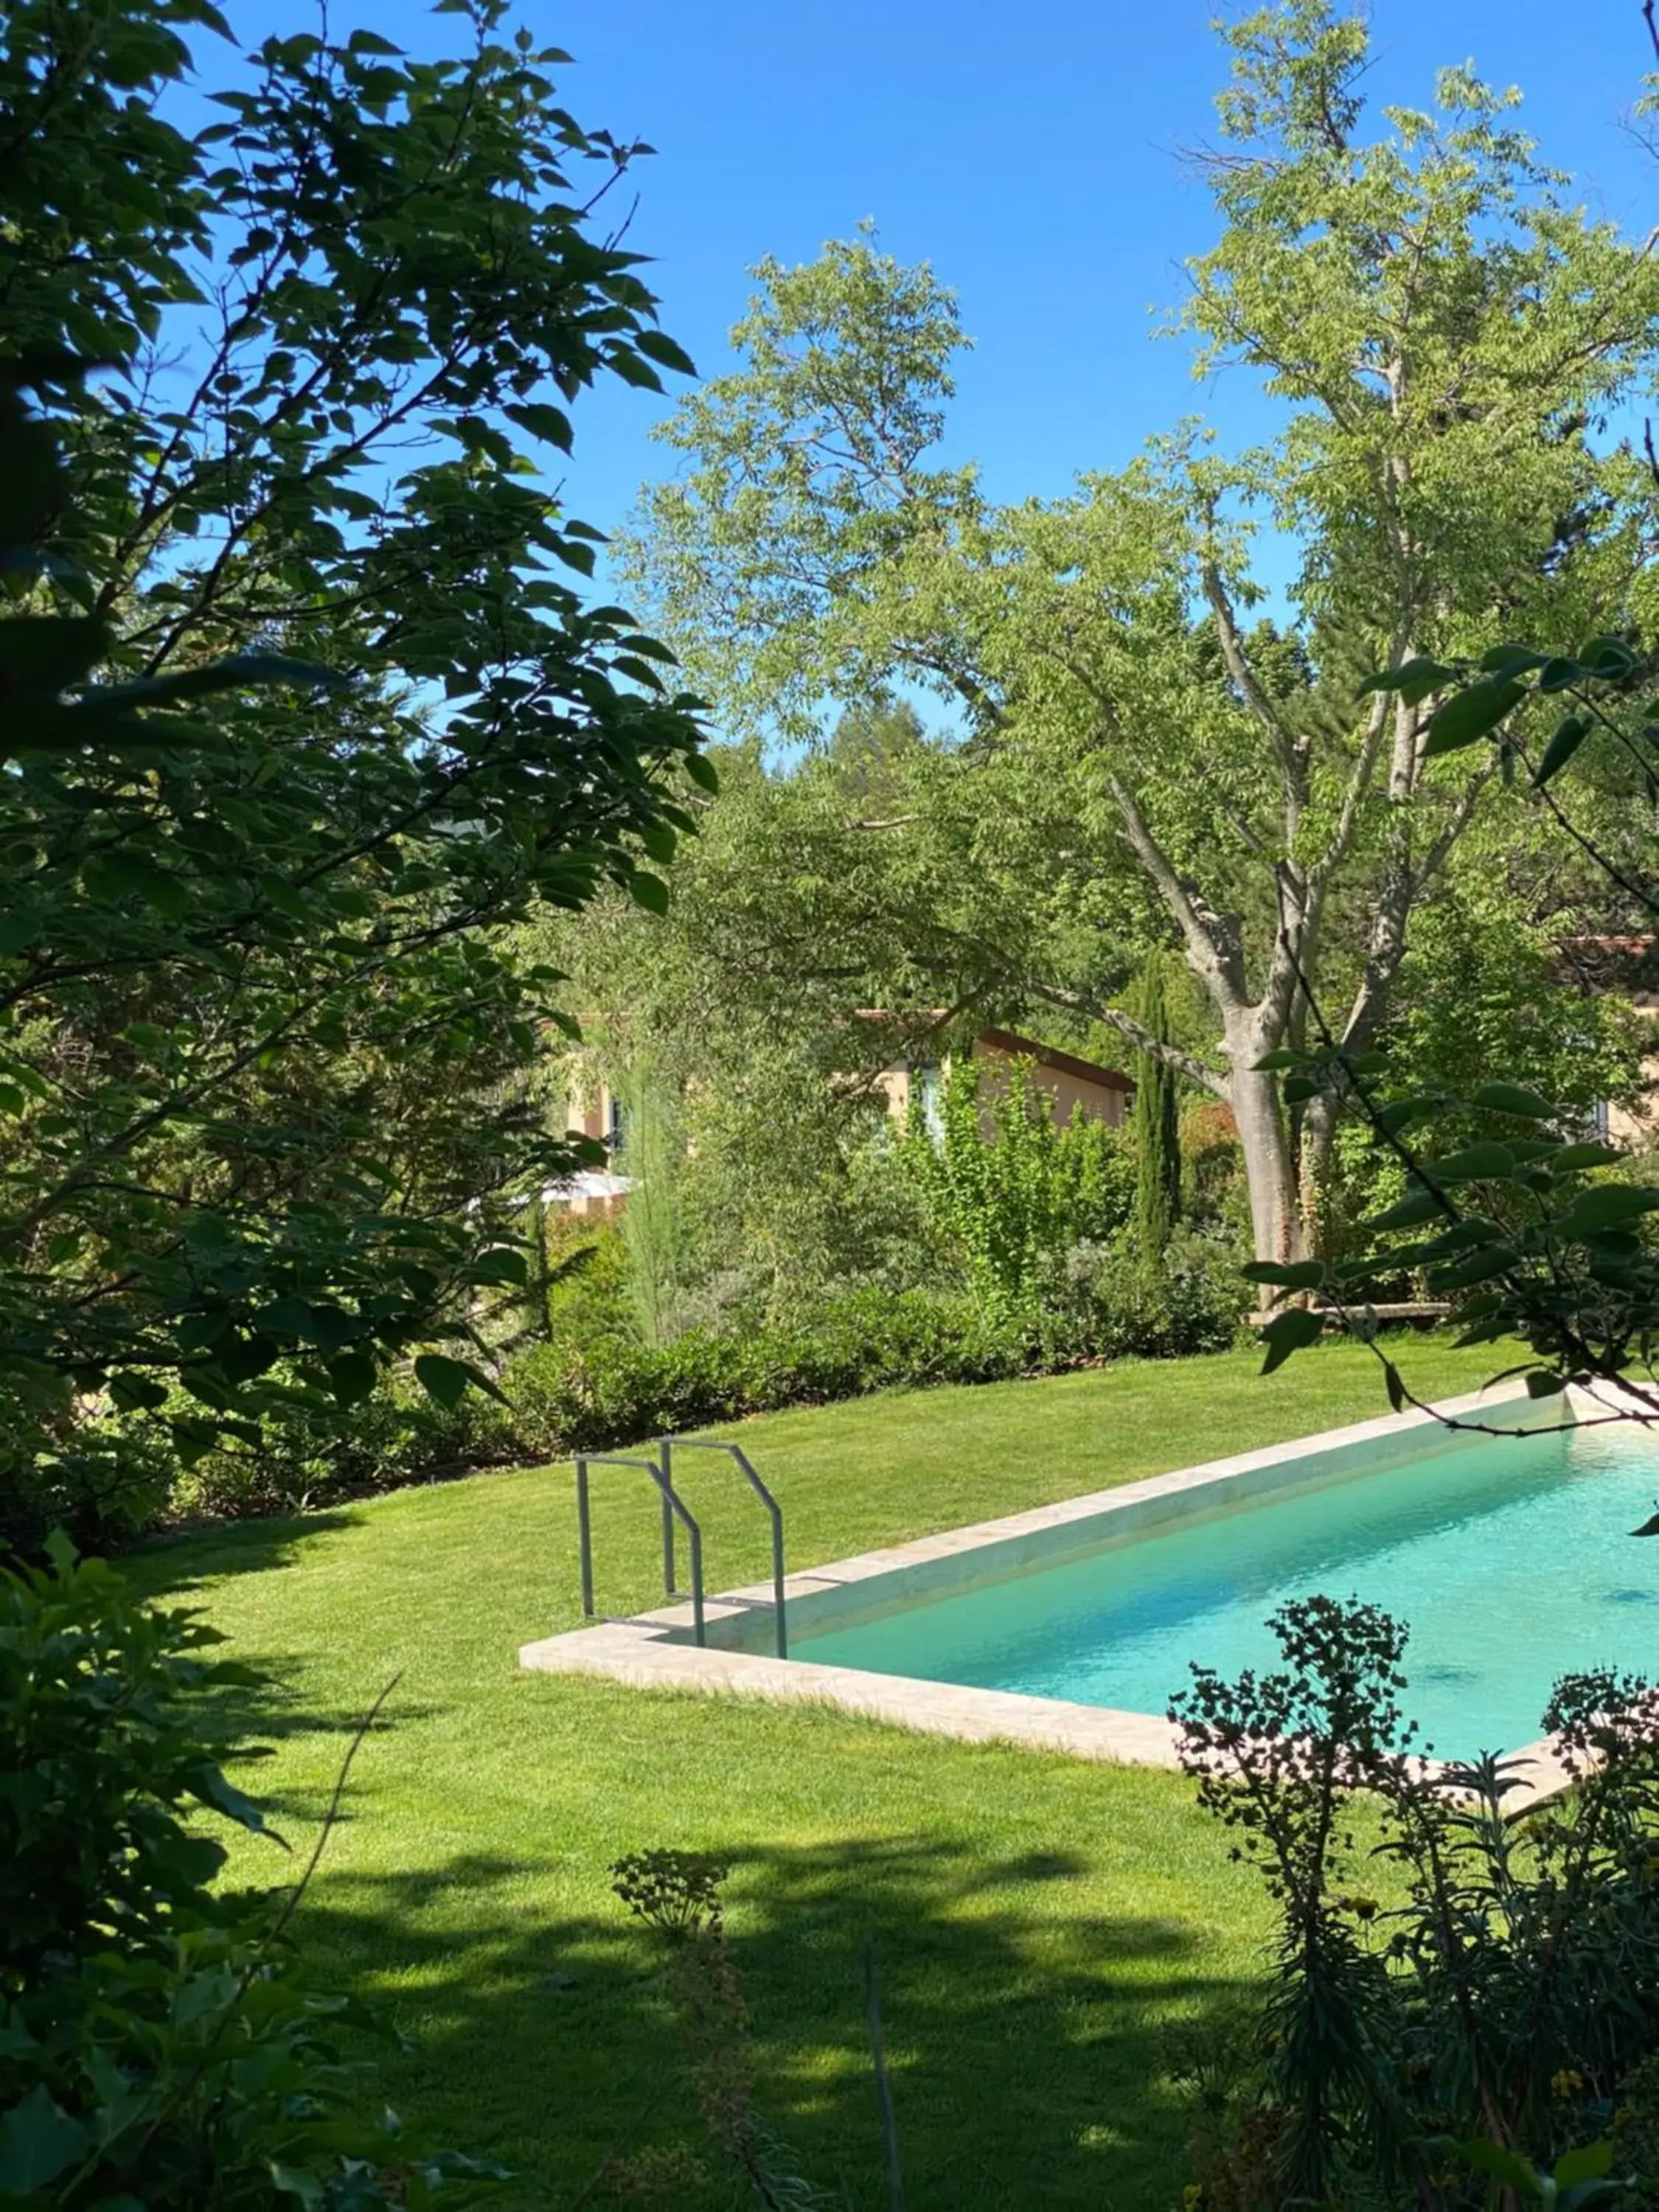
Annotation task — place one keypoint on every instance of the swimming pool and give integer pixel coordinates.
(1068, 1626)
(1511, 1560)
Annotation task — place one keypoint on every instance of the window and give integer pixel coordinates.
(616, 1123)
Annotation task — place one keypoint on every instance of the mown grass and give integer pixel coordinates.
(1037, 1922)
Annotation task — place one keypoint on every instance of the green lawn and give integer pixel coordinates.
(1037, 1921)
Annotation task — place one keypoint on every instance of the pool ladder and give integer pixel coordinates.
(674, 1508)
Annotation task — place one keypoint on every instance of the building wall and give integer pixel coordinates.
(1070, 1091)
(1098, 1102)
(1638, 1126)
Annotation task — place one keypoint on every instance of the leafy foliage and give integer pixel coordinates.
(1526, 1225)
(1139, 757)
(612, 1389)
(1501, 1993)
(678, 1895)
(160, 2044)
(1012, 1188)
(259, 1042)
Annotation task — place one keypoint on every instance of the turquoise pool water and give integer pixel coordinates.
(1510, 1559)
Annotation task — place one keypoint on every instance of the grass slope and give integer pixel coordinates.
(1037, 1921)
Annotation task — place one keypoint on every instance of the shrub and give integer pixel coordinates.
(596, 1385)
(1006, 1185)
(1113, 1302)
(311, 1453)
(1507, 2001)
(160, 2044)
(315, 1455)
(616, 1391)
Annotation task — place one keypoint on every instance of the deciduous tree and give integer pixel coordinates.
(1446, 337)
(301, 705)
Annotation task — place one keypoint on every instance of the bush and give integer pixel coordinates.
(1115, 1304)
(310, 1454)
(596, 1385)
(159, 2043)
(618, 1391)
(313, 1458)
(1507, 2002)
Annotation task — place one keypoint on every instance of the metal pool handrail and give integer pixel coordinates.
(673, 1508)
(665, 1445)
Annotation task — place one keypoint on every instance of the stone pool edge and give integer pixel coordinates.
(653, 1651)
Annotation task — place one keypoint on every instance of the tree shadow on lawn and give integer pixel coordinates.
(1025, 2034)
(171, 1568)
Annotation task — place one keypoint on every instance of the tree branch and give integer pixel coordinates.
(1218, 964)
(1288, 749)
(1168, 1055)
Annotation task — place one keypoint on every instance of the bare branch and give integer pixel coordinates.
(1217, 962)
(1289, 749)
(1168, 1055)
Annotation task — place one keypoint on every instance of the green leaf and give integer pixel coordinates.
(1512, 1098)
(1587, 2163)
(299, 2182)
(1484, 1162)
(1542, 1384)
(443, 1379)
(1607, 657)
(1289, 1332)
(628, 365)
(1569, 736)
(38, 2141)
(1557, 673)
(1610, 1205)
(662, 349)
(1415, 679)
(1294, 1275)
(51, 653)
(505, 1265)
(1569, 1158)
(447, 1379)
(1512, 660)
(216, 1789)
(237, 672)
(1503, 2164)
(1400, 1113)
(1416, 1205)
(1472, 715)
(116, 876)
(132, 1393)
(352, 1377)
(1479, 1267)
(648, 890)
(551, 424)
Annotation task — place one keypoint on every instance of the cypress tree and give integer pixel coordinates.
(1153, 1121)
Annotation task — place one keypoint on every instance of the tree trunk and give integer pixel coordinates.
(1275, 1214)
(1316, 1149)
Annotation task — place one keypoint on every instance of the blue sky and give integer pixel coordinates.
(1034, 158)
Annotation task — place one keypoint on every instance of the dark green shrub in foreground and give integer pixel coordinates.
(1496, 2007)
(159, 2045)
